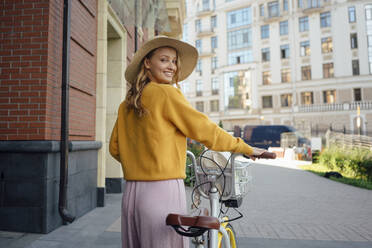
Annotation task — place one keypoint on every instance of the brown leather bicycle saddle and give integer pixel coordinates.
(206, 222)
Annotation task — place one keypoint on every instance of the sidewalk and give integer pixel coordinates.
(98, 229)
(286, 208)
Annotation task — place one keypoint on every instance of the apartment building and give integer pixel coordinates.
(305, 63)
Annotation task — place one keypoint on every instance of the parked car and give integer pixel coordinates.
(265, 136)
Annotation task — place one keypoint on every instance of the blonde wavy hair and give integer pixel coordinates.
(134, 94)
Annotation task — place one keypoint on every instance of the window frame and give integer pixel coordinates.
(270, 105)
(305, 48)
(265, 31)
(325, 19)
(352, 14)
(303, 24)
(328, 70)
(306, 72)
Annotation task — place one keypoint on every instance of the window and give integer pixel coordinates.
(354, 40)
(329, 96)
(267, 101)
(357, 94)
(284, 51)
(325, 19)
(235, 88)
(239, 39)
(283, 28)
(313, 4)
(304, 23)
(265, 52)
(286, 75)
(185, 87)
(198, 26)
(198, 45)
(262, 10)
(213, 21)
(214, 106)
(305, 48)
(306, 72)
(240, 57)
(214, 63)
(266, 78)
(265, 32)
(285, 5)
(355, 65)
(352, 17)
(328, 70)
(214, 42)
(327, 46)
(368, 13)
(199, 87)
(300, 4)
(368, 9)
(240, 17)
(273, 8)
(199, 66)
(205, 5)
(286, 100)
(307, 98)
(200, 106)
(215, 86)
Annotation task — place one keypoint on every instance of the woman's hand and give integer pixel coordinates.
(261, 153)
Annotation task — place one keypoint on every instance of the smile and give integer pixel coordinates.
(169, 74)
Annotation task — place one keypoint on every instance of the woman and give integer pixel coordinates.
(149, 140)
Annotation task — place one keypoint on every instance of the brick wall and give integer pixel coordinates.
(23, 56)
(31, 67)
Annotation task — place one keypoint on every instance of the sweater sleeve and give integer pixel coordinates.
(114, 146)
(198, 126)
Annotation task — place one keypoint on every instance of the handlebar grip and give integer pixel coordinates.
(268, 155)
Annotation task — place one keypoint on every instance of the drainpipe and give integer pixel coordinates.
(135, 27)
(65, 215)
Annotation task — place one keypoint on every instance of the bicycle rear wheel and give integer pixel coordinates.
(230, 231)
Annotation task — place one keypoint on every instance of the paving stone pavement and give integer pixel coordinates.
(288, 203)
(286, 208)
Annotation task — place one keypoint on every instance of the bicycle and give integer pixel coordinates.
(221, 178)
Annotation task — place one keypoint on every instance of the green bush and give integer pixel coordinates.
(196, 149)
(355, 162)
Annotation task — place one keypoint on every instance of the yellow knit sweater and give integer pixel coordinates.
(153, 147)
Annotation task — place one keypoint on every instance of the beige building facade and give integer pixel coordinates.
(115, 49)
(305, 63)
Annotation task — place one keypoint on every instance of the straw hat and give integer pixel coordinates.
(187, 54)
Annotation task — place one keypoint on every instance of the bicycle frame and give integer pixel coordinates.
(214, 211)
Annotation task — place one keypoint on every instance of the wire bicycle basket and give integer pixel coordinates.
(231, 174)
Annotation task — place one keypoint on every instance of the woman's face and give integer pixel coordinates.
(162, 65)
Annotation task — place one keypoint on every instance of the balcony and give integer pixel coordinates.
(204, 12)
(364, 105)
(208, 53)
(205, 31)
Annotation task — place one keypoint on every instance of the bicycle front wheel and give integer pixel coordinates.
(230, 231)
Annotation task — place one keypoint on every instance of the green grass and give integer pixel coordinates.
(320, 170)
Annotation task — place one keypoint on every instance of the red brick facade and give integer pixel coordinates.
(31, 67)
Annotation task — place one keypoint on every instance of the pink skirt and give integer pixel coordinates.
(145, 207)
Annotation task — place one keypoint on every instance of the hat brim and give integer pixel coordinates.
(186, 53)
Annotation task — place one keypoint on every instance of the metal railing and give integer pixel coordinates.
(348, 140)
(365, 105)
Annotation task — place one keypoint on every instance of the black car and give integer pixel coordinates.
(265, 136)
